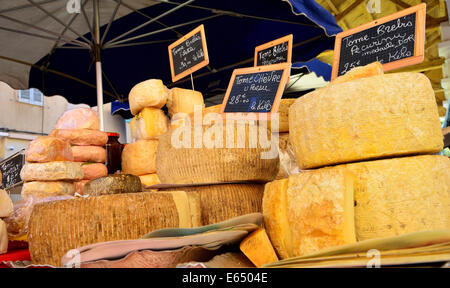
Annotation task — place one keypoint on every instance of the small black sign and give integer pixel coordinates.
(188, 54)
(273, 55)
(385, 43)
(11, 168)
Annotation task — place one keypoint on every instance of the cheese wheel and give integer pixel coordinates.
(183, 101)
(48, 149)
(89, 154)
(93, 170)
(221, 202)
(149, 124)
(368, 118)
(149, 179)
(3, 238)
(79, 118)
(138, 158)
(59, 226)
(43, 189)
(113, 184)
(216, 154)
(372, 69)
(150, 93)
(81, 137)
(79, 186)
(6, 204)
(51, 171)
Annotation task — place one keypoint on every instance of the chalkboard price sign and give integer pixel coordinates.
(255, 90)
(274, 52)
(395, 41)
(11, 168)
(188, 54)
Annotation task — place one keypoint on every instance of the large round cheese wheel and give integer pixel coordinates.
(183, 101)
(94, 170)
(51, 171)
(149, 124)
(149, 93)
(48, 149)
(216, 154)
(79, 118)
(95, 154)
(43, 189)
(81, 137)
(138, 158)
(113, 184)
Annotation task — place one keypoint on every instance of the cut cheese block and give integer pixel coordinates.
(288, 165)
(149, 124)
(283, 116)
(3, 238)
(138, 158)
(372, 69)
(216, 154)
(42, 189)
(221, 202)
(51, 171)
(149, 179)
(82, 137)
(183, 101)
(79, 118)
(59, 226)
(150, 93)
(310, 211)
(89, 154)
(401, 195)
(93, 170)
(258, 249)
(368, 118)
(79, 186)
(6, 204)
(48, 149)
(113, 184)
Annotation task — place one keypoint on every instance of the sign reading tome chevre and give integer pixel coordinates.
(255, 90)
(10, 169)
(188, 54)
(274, 52)
(395, 41)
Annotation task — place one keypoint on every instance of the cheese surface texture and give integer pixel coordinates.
(81, 137)
(310, 211)
(368, 118)
(48, 149)
(79, 118)
(138, 158)
(258, 249)
(369, 70)
(149, 124)
(51, 171)
(149, 179)
(183, 101)
(6, 204)
(113, 184)
(283, 116)
(149, 93)
(89, 154)
(93, 170)
(3, 238)
(43, 189)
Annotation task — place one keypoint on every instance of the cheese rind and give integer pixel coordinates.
(89, 154)
(138, 158)
(3, 238)
(79, 118)
(48, 149)
(43, 189)
(258, 249)
(51, 171)
(6, 204)
(113, 184)
(369, 70)
(283, 116)
(79, 186)
(368, 118)
(149, 179)
(93, 170)
(81, 137)
(183, 101)
(149, 93)
(149, 124)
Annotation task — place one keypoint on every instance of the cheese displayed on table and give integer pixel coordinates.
(6, 204)
(51, 171)
(231, 155)
(93, 171)
(79, 186)
(375, 117)
(3, 238)
(113, 184)
(47, 149)
(183, 101)
(258, 248)
(45, 189)
(95, 154)
(149, 179)
(150, 93)
(283, 116)
(369, 70)
(81, 137)
(149, 124)
(79, 118)
(59, 226)
(138, 158)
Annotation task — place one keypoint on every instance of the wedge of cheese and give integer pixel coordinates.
(368, 118)
(51, 171)
(95, 154)
(81, 137)
(43, 189)
(149, 124)
(79, 118)
(258, 249)
(183, 101)
(149, 93)
(369, 70)
(48, 149)
(6, 204)
(149, 179)
(113, 184)
(310, 211)
(3, 238)
(138, 158)
(93, 170)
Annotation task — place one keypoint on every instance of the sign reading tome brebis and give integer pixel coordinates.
(274, 52)
(188, 54)
(395, 41)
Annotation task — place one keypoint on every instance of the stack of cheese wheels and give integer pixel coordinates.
(372, 127)
(49, 170)
(80, 128)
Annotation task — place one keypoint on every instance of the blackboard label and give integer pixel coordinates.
(274, 52)
(394, 41)
(188, 54)
(256, 90)
(11, 168)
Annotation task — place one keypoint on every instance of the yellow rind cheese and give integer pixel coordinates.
(44, 189)
(149, 124)
(183, 101)
(149, 179)
(51, 171)
(138, 158)
(149, 93)
(369, 70)
(258, 249)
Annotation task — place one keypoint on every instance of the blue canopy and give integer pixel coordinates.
(233, 29)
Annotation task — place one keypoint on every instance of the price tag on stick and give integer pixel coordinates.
(395, 41)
